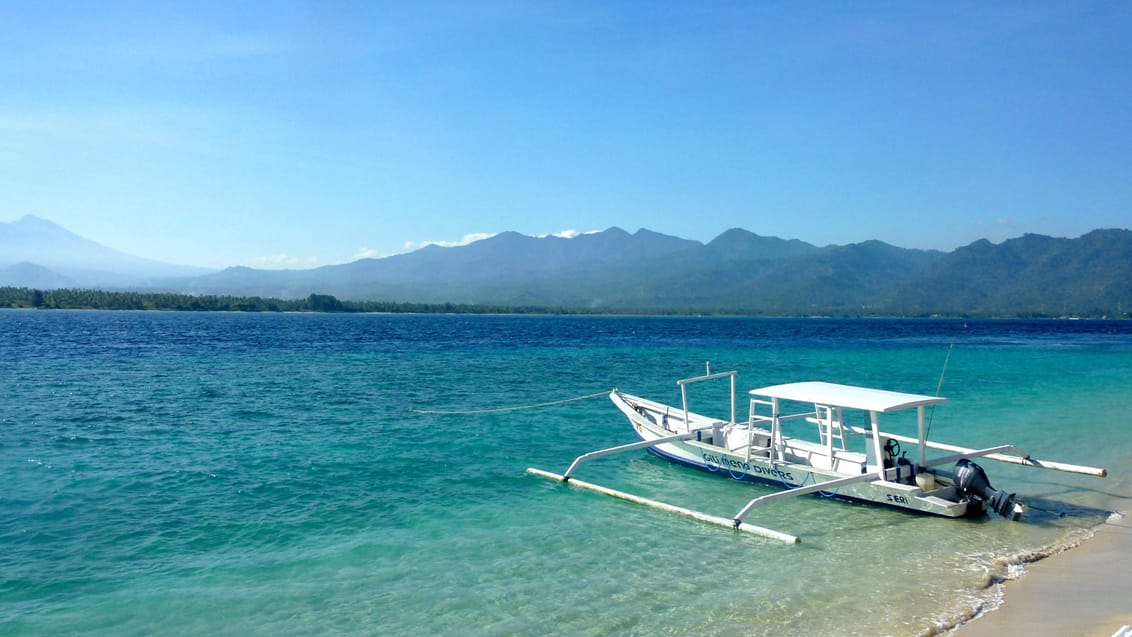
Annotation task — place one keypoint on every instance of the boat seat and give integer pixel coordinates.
(849, 461)
(852, 456)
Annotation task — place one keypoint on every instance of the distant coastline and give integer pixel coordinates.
(80, 299)
(83, 299)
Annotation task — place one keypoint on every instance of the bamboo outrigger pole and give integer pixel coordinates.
(671, 508)
(1028, 461)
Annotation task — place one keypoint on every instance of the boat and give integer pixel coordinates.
(799, 437)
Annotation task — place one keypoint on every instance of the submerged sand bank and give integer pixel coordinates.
(1086, 591)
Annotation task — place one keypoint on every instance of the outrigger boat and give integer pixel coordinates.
(860, 463)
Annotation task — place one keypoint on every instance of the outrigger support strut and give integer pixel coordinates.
(629, 447)
(797, 491)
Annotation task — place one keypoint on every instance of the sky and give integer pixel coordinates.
(301, 134)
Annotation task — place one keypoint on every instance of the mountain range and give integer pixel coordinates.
(738, 271)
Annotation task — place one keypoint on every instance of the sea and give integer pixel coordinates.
(168, 473)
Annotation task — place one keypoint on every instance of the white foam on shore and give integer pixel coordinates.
(1012, 567)
(1002, 569)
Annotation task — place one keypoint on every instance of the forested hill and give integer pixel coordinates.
(738, 272)
(1033, 274)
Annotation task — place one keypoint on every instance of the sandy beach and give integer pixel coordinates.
(1084, 591)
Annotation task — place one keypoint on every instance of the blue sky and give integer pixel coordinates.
(302, 134)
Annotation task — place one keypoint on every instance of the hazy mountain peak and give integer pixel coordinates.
(41, 242)
(34, 240)
(29, 225)
(32, 221)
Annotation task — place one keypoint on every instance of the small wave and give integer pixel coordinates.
(975, 607)
(1013, 566)
(65, 439)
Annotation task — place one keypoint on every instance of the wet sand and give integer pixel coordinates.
(1085, 591)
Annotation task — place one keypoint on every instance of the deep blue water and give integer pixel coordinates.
(182, 473)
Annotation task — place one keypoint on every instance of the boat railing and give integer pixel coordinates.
(683, 383)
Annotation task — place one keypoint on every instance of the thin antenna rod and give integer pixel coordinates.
(939, 387)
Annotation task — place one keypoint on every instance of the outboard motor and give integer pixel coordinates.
(972, 482)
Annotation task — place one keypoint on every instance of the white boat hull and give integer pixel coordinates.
(710, 452)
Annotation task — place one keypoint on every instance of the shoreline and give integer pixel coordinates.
(1079, 591)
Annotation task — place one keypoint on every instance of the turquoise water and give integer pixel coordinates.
(241, 474)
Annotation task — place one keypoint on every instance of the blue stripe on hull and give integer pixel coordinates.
(747, 477)
(738, 476)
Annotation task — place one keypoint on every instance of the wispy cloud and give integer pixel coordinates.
(178, 47)
(409, 246)
(568, 234)
(283, 261)
(468, 238)
(286, 261)
(158, 124)
(366, 253)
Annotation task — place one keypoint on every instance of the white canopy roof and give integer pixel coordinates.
(835, 395)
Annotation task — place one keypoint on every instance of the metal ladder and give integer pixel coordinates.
(829, 425)
(754, 417)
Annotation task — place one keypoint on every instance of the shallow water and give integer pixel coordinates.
(182, 473)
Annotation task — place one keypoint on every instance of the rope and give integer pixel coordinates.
(810, 476)
(790, 487)
(742, 474)
(499, 410)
